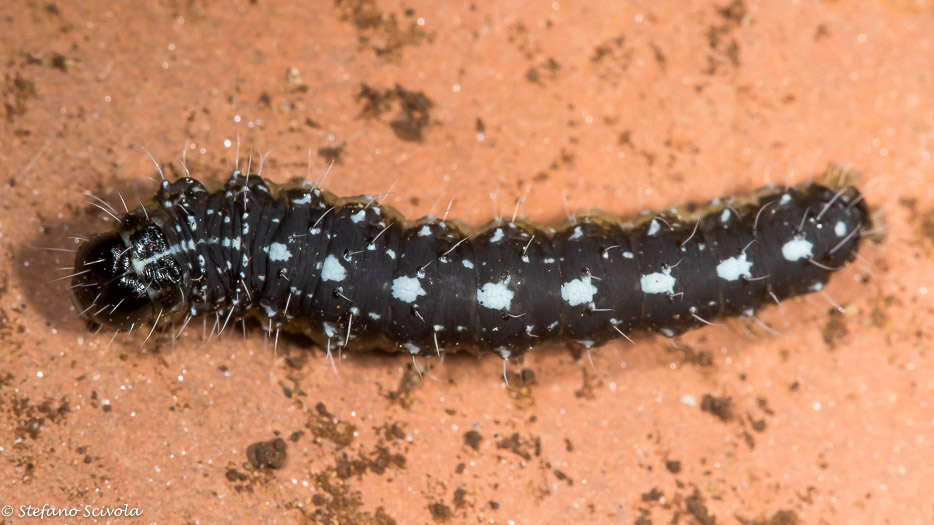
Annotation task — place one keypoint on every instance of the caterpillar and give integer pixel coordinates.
(355, 272)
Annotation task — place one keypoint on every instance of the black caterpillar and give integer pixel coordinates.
(350, 270)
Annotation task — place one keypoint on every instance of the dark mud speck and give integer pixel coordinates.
(722, 407)
(440, 512)
(267, 454)
(472, 439)
(694, 504)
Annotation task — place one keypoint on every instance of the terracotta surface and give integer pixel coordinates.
(622, 106)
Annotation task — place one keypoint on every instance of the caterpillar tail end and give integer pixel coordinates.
(841, 178)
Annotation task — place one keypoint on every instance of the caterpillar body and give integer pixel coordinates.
(352, 271)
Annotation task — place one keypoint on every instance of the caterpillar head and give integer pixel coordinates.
(126, 277)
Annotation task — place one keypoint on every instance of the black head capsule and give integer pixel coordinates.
(125, 279)
(106, 290)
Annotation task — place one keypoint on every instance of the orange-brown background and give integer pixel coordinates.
(622, 106)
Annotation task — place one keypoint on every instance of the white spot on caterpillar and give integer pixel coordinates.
(495, 296)
(654, 227)
(407, 289)
(414, 350)
(306, 199)
(577, 233)
(425, 231)
(497, 235)
(391, 254)
(333, 270)
(578, 292)
(329, 330)
(816, 287)
(467, 263)
(735, 267)
(374, 316)
(658, 282)
(359, 216)
(277, 251)
(786, 198)
(797, 249)
(725, 216)
(231, 243)
(549, 260)
(840, 229)
(438, 328)
(270, 311)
